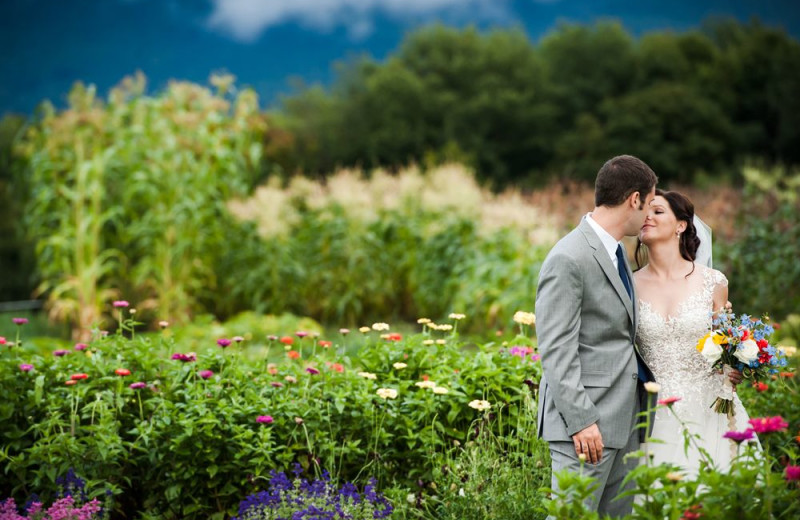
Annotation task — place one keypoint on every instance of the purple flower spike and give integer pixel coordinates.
(264, 419)
(19, 321)
(120, 304)
(25, 367)
(138, 386)
(223, 342)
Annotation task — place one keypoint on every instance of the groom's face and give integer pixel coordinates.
(639, 213)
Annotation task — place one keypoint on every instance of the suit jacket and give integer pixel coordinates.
(586, 329)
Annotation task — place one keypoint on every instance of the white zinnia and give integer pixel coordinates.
(387, 393)
(399, 366)
(480, 405)
(747, 351)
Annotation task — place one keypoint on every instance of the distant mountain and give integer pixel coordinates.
(47, 45)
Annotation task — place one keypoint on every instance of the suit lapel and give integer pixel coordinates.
(602, 257)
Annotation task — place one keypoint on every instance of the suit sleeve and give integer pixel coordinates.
(558, 321)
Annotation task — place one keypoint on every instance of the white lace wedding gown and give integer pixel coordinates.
(668, 346)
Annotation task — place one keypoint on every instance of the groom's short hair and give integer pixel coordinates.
(619, 177)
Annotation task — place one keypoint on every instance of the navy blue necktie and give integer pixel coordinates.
(623, 273)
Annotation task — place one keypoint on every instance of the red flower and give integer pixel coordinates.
(337, 367)
(760, 386)
(122, 372)
(293, 354)
(2, 340)
(425, 377)
(762, 344)
(693, 513)
(76, 377)
(325, 344)
(669, 401)
(287, 340)
(394, 337)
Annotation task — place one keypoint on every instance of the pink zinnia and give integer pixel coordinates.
(264, 419)
(768, 424)
(792, 472)
(19, 321)
(301, 334)
(80, 346)
(739, 437)
(238, 339)
(122, 372)
(138, 385)
(206, 374)
(313, 371)
(536, 357)
(25, 367)
(272, 337)
(59, 353)
(223, 342)
(344, 331)
(669, 401)
(120, 304)
(191, 356)
(2, 340)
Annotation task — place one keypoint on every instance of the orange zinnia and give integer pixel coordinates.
(293, 354)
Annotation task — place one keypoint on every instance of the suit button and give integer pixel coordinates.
(635, 376)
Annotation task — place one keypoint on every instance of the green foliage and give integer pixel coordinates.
(494, 475)
(185, 446)
(128, 195)
(690, 103)
(763, 262)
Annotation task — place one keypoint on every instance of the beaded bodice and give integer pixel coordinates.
(668, 345)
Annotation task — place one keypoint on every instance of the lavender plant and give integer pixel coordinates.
(299, 498)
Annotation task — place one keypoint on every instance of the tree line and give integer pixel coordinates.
(693, 103)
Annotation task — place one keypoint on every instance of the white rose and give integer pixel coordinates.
(711, 351)
(747, 351)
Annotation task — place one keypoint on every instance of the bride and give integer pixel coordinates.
(676, 298)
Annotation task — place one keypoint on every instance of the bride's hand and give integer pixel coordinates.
(735, 376)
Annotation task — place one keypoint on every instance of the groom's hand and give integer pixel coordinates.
(589, 442)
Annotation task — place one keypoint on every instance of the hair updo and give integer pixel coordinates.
(683, 209)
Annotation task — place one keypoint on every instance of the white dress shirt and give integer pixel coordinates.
(609, 242)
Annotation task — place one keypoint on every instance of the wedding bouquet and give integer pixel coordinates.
(741, 343)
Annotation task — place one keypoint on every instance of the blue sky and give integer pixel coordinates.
(49, 44)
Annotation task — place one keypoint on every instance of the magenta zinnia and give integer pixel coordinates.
(19, 321)
(739, 437)
(768, 424)
(792, 472)
(223, 342)
(25, 367)
(120, 304)
(264, 419)
(669, 401)
(138, 385)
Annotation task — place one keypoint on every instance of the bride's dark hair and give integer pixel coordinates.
(683, 209)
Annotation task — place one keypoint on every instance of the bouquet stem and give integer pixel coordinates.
(725, 404)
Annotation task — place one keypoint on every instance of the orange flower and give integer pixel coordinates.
(787, 374)
(425, 377)
(394, 337)
(293, 354)
(70, 382)
(122, 372)
(325, 344)
(287, 340)
(337, 367)
(76, 377)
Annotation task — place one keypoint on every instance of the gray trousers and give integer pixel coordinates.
(609, 472)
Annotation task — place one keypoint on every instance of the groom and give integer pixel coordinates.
(586, 325)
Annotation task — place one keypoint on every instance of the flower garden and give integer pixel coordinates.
(369, 423)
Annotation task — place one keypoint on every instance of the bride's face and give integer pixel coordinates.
(660, 223)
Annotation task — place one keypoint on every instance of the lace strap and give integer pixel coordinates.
(713, 278)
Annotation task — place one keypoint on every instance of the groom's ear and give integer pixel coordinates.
(634, 200)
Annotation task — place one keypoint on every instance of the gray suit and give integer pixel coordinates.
(586, 328)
